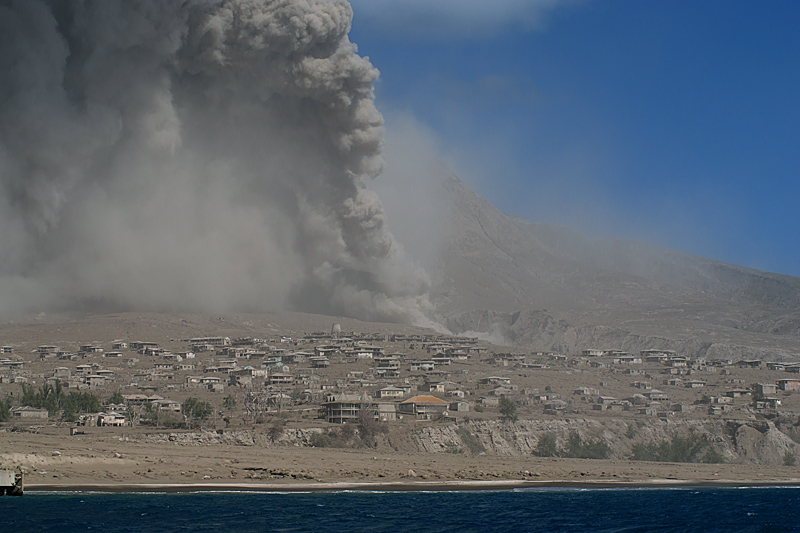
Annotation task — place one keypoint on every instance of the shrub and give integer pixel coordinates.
(229, 403)
(469, 440)
(452, 447)
(577, 449)
(321, 440)
(5, 409)
(275, 430)
(369, 427)
(508, 409)
(341, 437)
(546, 447)
(789, 459)
(675, 450)
(713, 457)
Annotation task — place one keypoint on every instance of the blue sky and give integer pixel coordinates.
(671, 122)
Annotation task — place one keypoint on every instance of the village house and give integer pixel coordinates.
(417, 366)
(342, 408)
(280, 378)
(142, 345)
(441, 359)
(764, 389)
(750, 363)
(423, 407)
(555, 407)
(432, 386)
(586, 392)
(789, 384)
(386, 412)
(240, 380)
(459, 407)
(90, 348)
(694, 384)
(655, 394)
(627, 360)
(735, 393)
(768, 403)
(389, 392)
(26, 414)
(111, 419)
(326, 350)
(495, 380)
(319, 361)
(217, 342)
(94, 380)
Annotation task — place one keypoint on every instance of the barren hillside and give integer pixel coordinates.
(548, 287)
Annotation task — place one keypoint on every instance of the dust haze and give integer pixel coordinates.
(199, 155)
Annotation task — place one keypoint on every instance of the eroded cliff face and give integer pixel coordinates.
(737, 442)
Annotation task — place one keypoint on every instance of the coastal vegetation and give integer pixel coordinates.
(678, 449)
(574, 447)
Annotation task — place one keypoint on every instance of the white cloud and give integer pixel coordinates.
(436, 19)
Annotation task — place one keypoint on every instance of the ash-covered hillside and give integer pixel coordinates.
(548, 287)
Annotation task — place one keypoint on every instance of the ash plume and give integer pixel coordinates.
(193, 155)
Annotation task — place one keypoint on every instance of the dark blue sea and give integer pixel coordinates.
(684, 509)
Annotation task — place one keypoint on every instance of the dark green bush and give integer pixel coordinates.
(677, 449)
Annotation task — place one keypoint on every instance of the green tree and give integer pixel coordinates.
(546, 447)
(756, 397)
(508, 409)
(5, 409)
(229, 403)
(577, 448)
(677, 449)
(194, 409)
(116, 398)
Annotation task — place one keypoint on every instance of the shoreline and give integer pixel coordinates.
(420, 486)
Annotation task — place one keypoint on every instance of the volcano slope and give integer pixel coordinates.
(545, 287)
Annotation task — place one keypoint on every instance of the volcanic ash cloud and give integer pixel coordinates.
(193, 155)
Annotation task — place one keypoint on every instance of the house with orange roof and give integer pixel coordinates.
(423, 407)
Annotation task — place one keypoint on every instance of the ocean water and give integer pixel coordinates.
(684, 509)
